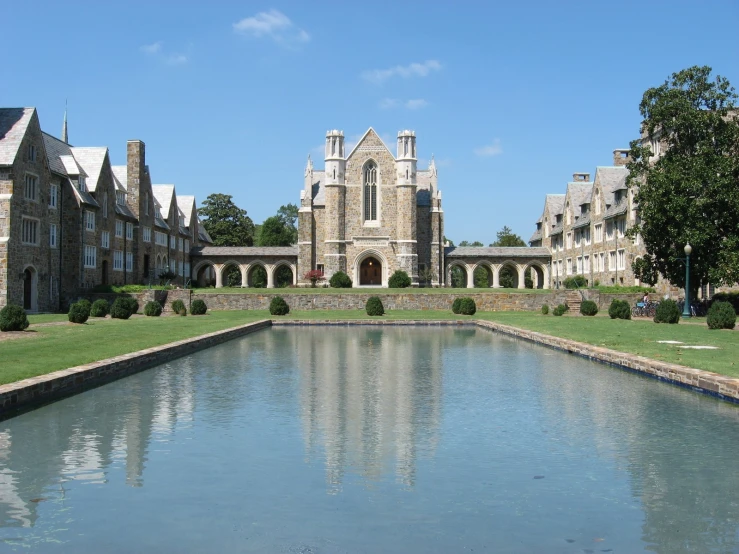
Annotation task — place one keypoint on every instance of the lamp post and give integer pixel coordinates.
(686, 308)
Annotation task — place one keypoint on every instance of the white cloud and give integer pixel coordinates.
(273, 24)
(152, 48)
(156, 51)
(176, 59)
(415, 69)
(489, 150)
(415, 104)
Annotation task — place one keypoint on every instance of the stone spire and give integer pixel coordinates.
(65, 136)
(309, 166)
(432, 165)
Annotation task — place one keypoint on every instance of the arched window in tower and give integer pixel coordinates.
(370, 191)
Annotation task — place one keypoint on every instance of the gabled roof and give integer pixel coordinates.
(555, 203)
(71, 167)
(536, 236)
(91, 160)
(187, 207)
(120, 176)
(163, 195)
(370, 135)
(13, 126)
(55, 149)
(610, 180)
(579, 194)
(318, 189)
(202, 233)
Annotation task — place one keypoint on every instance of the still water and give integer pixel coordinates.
(364, 440)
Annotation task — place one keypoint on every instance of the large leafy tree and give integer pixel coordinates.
(684, 171)
(468, 243)
(226, 223)
(506, 237)
(289, 216)
(275, 232)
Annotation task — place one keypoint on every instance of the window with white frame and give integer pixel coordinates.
(118, 228)
(632, 204)
(182, 270)
(105, 239)
(118, 260)
(621, 258)
(105, 204)
(120, 198)
(569, 266)
(560, 271)
(609, 229)
(586, 264)
(82, 183)
(601, 261)
(578, 264)
(637, 239)
(598, 229)
(568, 213)
(597, 202)
(30, 231)
(172, 243)
(578, 237)
(147, 234)
(129, 262)
(160, 238)
(91, 253)
(89, 220)
(173, 266)
(586, 235)
(611, 260)
(129, 231)
(53, 195)
(621, 226)
(30, 190)
(569, 240)
(53, 235)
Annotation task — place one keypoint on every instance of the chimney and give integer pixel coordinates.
(581, 177)
(135, 169)
(621, 156)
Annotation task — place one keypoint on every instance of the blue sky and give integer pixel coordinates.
(510, 97)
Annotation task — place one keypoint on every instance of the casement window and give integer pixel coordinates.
(82, 183)
(118, 228)
(579, 264)
(621, 226)
(129, 262)
(609, 229)
(578, 237)
(118, 260)
(621, 255)
(90, 256)
(129, 231)
(160, 238)
(181, 244)
(53, 235)
(187, 269)
(105, 239)
(598, 232)
(611, 260)
(147, 234)
(569, 240)
(569, 266)
(319, 267)
(89, 220)
(586, 235)
(586, 264)
(30, 231)
(30, 190)
(120, 198)
(53, 196)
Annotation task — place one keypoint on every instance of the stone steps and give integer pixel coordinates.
(574, 299)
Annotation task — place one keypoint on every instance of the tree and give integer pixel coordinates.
(289, 216)
(274, 232)
(451, 243)
(506, 237)
(226, 223)
(467, 243)
(684, 171)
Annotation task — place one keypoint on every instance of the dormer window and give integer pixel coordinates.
(158, 213)
(120, 198)
(81, 184)
(617, 197)
(584, 209)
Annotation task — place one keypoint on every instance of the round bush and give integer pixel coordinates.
(667, 312)
(399, 280)
(467, 306)
(13, 318)
(278, 306)
(99, 308)
(374, 306)
(153, 309)
(588, 307)
(545, 309)
(619, 309)
(121, 308)
(721, 315)
(79, 312)
(178, 306)
(198, 307)
(132, 303)
(456, 305)
(559, 310)
(86, 303)
(340, 280)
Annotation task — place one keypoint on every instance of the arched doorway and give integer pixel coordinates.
(370, 272)
(534, 277)
(29, 290)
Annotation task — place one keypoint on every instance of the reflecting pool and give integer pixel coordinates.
(313, 440)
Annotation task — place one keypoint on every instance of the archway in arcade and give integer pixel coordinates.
(205, 276)
(370, 272)
(508, 276)
(534, 277)
(482, 277)
(231, 275)
(257, 277)
(283, 276)
(30, 294)
(458, 276)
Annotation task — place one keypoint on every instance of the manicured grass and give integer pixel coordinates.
(374, 291)
(33, 319)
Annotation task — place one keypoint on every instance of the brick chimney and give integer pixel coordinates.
(136, 169)
(581, 177)
(621, 156)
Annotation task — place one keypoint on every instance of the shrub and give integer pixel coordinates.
(559, 310)
(721, 315)
(467, 306)
(399, 280)
(545, 309)
(278, 306)
(619, 309)
(78, 312)
(456, 305)
(121, 308)
(198, 307)
(576, 282)
(730, 297)
(131, 302)
(99, 308)
(667, 312)
(86, 303)
(588, 307)
(374, 306)
(177, 306)
(314, 276)
(340, 280)
(13, 318)
(153, 309)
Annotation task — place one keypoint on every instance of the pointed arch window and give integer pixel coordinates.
(370, 191)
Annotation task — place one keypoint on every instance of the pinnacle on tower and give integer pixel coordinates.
(65, 136)
(309, 166)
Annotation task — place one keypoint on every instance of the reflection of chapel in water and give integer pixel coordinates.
(372, 418)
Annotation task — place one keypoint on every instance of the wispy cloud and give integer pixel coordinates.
(176, 59)
(490, 150)
(415, 69)
(152, 48)
(415, 104)
(156, 50)
(272, 24)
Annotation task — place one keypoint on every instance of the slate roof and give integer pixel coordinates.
(318, 189)
(610, 180)
(579, 193)
(120, 176)
(124, 211)
(495, 251)
(616, 209)
(163, 195)
(91, 160)
(556, 205)
(283, 251)
(13, 126)
(557, 229)
(71, 167)
(202, 233)
(582, 221)
(536, 236)
(84, 197)
(186, 205)
(55, 149)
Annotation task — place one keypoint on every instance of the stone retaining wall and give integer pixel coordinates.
(164, 297)
(53, 386)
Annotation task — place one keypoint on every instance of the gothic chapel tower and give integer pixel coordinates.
(335, 169)
(406, 205)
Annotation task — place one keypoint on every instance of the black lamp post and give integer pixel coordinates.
(686, 308)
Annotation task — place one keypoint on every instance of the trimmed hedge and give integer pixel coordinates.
(576, 282)
(588, 307)
(99, 308)
(86, 303)
(560, 310)
(399, 280)
(153, 309)
(467, 306)
(721, 315)
(178, 306)
(121, 308)
(340, 280)
(545, 309)
(79, 312)
(730, 297)
(278, 306)
(374, 306)
(13, 318)
(198, 307)
(619, 309)
(667, 312)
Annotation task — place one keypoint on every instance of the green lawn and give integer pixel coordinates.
(375, 291)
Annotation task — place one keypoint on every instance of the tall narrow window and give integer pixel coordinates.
(370, 191)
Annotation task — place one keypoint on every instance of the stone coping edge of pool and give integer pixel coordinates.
(698, 380)
(35, 391)
(371, 322)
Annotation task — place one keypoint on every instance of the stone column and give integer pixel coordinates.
(521, 277)
(496, 277)
(270, 276)
(219, 277)
(243, 268)
(470, 277)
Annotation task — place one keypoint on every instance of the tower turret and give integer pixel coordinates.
(335, 167)
(335, 161)
(406, 158)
